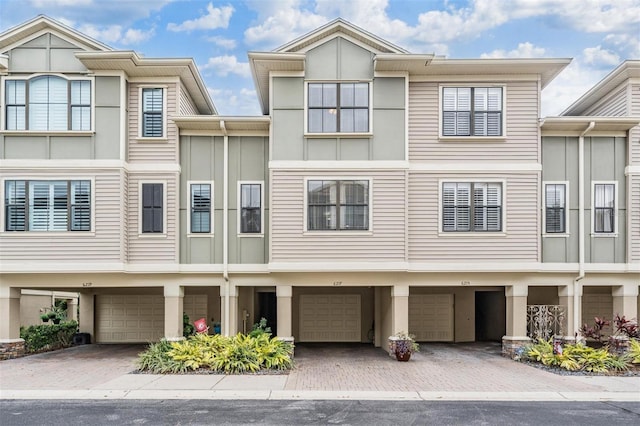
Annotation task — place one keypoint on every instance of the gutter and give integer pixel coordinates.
(225, 231)
(581, 238)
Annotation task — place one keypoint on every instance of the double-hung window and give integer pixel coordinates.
(604, 207)
(338, 205)
(471, 207)
(152, 208)
(250, 207)
(200, 215)
(47, 205)
(555, 208)
(338, 108)
(48, 103)
(472, 111)
(152, 112)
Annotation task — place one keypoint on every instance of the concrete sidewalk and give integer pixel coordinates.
(358, 372)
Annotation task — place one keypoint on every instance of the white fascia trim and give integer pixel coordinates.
(201, 268)
(249, 268)
(475, 267)
(464, 78)
(59, 267)
(628, 171)
(153, 168)
(33, 165)
(211, 212)
(472, 167)
(337, 266)
(338, 165)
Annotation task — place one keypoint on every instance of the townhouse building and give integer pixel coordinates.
(379, 191)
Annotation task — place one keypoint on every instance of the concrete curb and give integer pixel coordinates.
(138, 394)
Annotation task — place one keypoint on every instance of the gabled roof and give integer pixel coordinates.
(339, 25)
(626, 70)
(36, 25)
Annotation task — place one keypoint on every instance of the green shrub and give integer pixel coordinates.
(634, 351)
(237, 354)
(156, 359)
(577, 357)
(48, 336)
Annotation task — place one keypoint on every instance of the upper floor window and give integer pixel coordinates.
(604, 207)
(152, 113)
(555, 206)
(471, 207)
(48, 103)
(200, 219)
(250, 208)
(152, 208)
(338, 205)
(338, 107)
(37, 205)
(471, 111)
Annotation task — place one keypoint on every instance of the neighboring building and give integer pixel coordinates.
(380, 191)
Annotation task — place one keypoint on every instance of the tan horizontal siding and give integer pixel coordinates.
(634, 212)
(151, 248)
(386, 242)
(615, 105)
(152, 151)
(520, 242)
(187, 106)
(521, 114)
(103, 245)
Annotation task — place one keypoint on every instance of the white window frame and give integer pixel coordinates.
(189, 207)
(336, 232)
(615, 209)
(472, 137)
(164, 209)
(65, 177)
(27, 77)
(463, 234)
(239, 207)
(165, 90)
(566, 232)
(337, 134)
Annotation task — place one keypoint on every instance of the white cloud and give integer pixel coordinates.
(64, 3)
(112, 34)
(599, 56)
(627, 44)
(215, 18)
(524, 50)
(227, 64)
(133, 36)
(225, 43)
(102, 12)
(243, 102)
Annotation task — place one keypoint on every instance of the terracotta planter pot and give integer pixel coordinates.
(403, 357)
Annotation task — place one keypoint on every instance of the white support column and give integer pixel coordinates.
(72, 309)
(566, 296)
(173, 311)
(400, 308)
(86, 320)
(516, 336)
(9, 313)
(284, 295)
(232, 327)
(625, 300)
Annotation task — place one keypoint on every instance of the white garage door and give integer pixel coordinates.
(329, 318)
(431, 317)
(138, 318)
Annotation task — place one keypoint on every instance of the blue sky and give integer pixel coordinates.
(597, 34)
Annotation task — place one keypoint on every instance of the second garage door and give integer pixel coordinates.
(138, 318)
(431, 317)
(329, 318)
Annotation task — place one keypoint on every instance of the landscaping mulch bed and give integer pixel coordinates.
(633, 371)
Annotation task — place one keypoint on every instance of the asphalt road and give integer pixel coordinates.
(259, 412)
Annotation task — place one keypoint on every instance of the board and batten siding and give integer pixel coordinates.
(102, 245)
(157, 151)
(385, 243)
(518, 243)
(521, 112)
(153, 248)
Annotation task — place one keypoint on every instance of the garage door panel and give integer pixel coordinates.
(329, 318)
(431, 317)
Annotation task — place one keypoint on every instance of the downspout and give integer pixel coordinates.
(225, 229)
(581, 273)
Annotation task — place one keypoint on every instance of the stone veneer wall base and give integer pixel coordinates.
(513, 347)
(14, 348)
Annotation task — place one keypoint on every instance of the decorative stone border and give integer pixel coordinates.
(512, 347)
(12, 348)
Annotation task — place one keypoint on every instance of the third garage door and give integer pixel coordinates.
(431, 317)
(329, 318)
